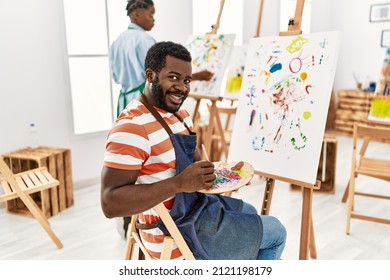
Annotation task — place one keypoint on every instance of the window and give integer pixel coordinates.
(90, 31)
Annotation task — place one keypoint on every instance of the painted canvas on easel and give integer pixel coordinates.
(380, 105)
(235, 71)
(283, 104)
(211, 52)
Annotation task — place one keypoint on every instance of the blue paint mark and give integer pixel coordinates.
(275, 67)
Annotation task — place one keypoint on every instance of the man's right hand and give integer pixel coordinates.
(196, 176)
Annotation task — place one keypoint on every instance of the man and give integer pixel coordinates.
(151, 157)
(128, 51)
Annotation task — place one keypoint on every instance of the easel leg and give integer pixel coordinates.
(267, 198)
(306, 223)
(313, 250)
(210, 128)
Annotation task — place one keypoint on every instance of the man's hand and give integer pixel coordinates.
(197, 176)
(204, 75)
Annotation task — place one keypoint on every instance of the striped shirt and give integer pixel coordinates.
(138, 141)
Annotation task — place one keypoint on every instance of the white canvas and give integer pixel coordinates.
(210, 52)
(380, 105)
(283, 104)
(235, 70)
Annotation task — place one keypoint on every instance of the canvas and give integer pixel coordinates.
(380, 105)
(283, 104)
(210, 52)
(235, 71)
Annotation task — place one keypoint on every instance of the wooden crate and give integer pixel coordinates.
(328, 158)
(352, 106)
(58, 162)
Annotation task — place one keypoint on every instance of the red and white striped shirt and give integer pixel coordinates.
(138, 141)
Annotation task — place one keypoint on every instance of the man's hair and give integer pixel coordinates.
(156, 55)
(132, 5)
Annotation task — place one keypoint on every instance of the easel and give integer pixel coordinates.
(307, 240)
(213, 107)
(294, 24)
(215, 119)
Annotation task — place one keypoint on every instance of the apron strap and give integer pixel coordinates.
(154, 112)
(122, 95)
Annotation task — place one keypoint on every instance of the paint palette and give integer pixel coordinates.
(230, 180)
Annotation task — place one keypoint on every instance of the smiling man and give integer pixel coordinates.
(151, 157)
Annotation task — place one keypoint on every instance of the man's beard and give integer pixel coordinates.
(160, 97)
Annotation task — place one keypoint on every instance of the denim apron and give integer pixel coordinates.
(212, 225)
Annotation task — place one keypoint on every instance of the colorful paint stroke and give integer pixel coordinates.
(283, 104)
(226, 178)
(210, 52)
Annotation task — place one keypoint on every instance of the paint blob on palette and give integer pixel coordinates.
(230, 177)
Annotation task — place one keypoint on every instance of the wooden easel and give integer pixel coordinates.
(294, 24)
(214, 117)
(307, 240)
(216, 126)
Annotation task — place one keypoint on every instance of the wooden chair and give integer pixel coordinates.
(134, 238)
(22, 185)
(378, 167)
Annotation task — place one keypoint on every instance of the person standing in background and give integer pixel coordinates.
(128, 51)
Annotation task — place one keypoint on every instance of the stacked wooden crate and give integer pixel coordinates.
(58, 162)
(352, 106)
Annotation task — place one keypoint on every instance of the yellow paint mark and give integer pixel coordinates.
(380, 108)
(306, 115)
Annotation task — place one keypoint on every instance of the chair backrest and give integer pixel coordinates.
(373, 132)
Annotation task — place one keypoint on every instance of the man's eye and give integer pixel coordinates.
(174, 78)
(187, 81)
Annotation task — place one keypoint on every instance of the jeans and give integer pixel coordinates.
(274, 235)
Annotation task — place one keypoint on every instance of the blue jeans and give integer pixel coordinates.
(274, 235)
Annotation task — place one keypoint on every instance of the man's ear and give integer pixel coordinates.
(150, 74)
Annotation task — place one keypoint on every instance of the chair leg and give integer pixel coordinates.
(167, 248)
(130, 239)
(351, 191)
(37, 213)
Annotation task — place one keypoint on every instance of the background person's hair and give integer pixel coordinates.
(132, 5)
(155, 57)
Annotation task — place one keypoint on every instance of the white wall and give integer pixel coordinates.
(34, 79)
(360, 49)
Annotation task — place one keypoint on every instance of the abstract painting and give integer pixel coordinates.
(380, 105)
(283, 104)
(235, 71)
(210, 52)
